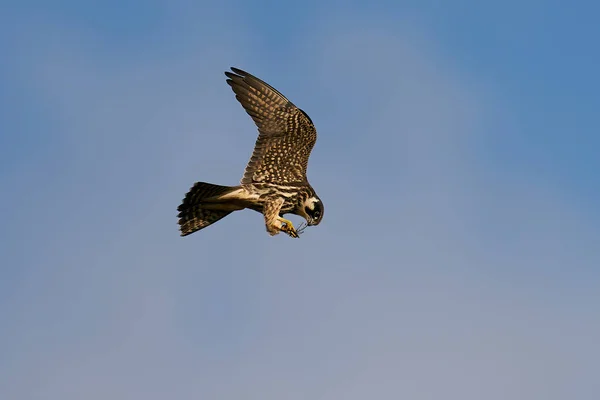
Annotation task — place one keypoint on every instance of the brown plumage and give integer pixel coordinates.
(274, 182)
(286, 133)
(192, 216)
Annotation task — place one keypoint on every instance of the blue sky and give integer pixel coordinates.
(458, 256)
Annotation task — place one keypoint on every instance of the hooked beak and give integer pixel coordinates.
(312, 222)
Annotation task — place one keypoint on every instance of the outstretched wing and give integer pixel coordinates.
(286, 133)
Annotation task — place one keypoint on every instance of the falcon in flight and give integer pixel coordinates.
(274, 182)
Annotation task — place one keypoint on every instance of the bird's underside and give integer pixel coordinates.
(274, 182)
(206, 204)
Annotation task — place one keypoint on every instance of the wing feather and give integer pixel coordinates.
(286, 133)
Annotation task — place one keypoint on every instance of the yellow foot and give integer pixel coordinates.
(288, 228)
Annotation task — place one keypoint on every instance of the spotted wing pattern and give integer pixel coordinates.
(286, 133)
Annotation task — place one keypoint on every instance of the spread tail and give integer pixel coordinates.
(192, 214)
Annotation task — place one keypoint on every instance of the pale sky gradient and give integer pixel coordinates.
(457, 159)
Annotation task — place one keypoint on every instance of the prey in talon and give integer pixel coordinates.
(274, 182)
(289, 229)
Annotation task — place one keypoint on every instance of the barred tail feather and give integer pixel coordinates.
(195, 219)
(192, 215)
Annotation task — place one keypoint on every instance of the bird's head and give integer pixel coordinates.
(312, 210)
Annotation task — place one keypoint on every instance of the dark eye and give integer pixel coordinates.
(317, 214)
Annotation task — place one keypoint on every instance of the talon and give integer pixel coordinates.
(288, 228)
(292, 232)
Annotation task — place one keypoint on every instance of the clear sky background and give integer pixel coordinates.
(457, 159)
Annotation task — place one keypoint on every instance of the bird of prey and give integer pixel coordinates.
(274, 182)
